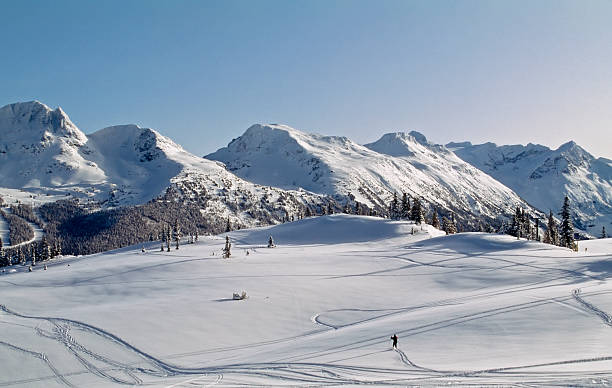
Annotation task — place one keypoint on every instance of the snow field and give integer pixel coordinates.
(469, 309)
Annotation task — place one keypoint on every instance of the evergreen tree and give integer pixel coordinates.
(537, 229)
(435, 222)
(176, 233)
(394, 208)
(567, 229)
(228, 226)
(405, 207)
(517, 221)
(308, 212)
(0, 243)
(168, 238)
(603, 232)
(271, 243)
(551, 236)
(449, 225)
(358, 208)
(417, 212)
(227, 248)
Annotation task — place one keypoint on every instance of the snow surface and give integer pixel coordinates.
(469, 309)
(543, 176)
(281, 156)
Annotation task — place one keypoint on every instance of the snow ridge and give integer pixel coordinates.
(284, 157)
(543, 176)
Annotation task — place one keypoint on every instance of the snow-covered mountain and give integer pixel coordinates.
(543, 176)
(281, 156)
(44, 154)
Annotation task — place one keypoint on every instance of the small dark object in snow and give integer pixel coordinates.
(394, 338)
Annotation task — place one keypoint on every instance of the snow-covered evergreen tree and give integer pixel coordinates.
(227, 248)
(405, 207)
(416, 214)
(271, 242)
(394, 208)
(551, 236)
(228, 226)
(176, 233)
(567, 229)
(435, 222)
(603, 232)
(168, 238)
(449, 225)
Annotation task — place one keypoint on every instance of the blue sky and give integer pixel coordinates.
(202, 72)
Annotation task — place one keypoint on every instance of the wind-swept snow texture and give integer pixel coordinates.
(543, 176)
(469, 309)
(281, 156)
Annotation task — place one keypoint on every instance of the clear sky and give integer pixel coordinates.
(202, 72)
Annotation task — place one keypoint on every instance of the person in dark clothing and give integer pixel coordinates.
(394, 338)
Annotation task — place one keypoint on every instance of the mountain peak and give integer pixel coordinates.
(33, 117)
(402, 144)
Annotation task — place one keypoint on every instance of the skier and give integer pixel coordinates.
(394, 338)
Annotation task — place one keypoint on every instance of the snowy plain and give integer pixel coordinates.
(469, 309)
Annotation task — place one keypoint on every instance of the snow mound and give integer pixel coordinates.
(333, 229)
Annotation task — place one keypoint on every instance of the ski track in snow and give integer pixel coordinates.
(301, 368)
(605, 317)
(286, 372)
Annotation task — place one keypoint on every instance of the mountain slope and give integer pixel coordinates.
(543, 176)
(285, 157)
(44, 154)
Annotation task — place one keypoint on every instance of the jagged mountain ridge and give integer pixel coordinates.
(282, 156)
(543, 176)
(43, 152)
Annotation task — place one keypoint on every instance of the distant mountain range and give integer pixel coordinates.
(543, 176)
(45, 156)
(273, 172)
(280, 156)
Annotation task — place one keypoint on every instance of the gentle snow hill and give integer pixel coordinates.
(333, 229)
(282, 156)
(470, 309)
(543, 176)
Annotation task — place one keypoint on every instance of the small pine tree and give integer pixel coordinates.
(394, 208)
(227, 248)
(176, 233)
(449, 225)
(551, 236)
(435, 222)
(308, 212)
(228, 226)
(567, 229)
(0, 244)
(416, 214)
(603, 232)
(168, 238)
(405, 207)
(271, 243)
